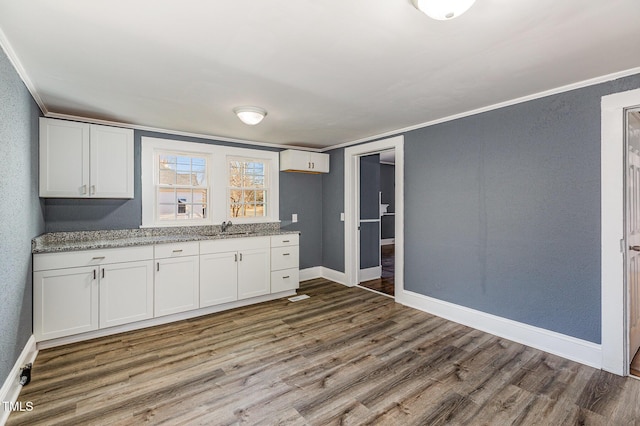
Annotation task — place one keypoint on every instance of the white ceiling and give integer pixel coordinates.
(328, 72)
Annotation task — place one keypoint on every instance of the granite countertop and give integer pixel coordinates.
(88, 240)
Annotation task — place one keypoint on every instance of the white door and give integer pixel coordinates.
(633, 229)
(65, 302)
(218, 278)
(111, 162)
(254, 273)
(176, 285)
(126, 293)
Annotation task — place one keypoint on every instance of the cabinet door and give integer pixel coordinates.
(254, 275)
(65, 302)
(218, 278)
(111, 162)
(64, 159)
(176, 285)
(126, 293)
(319, 162)
(286, 279)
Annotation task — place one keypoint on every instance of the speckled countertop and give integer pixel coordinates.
(87, 240)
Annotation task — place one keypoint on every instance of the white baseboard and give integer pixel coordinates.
(578, 350)
(369, 274)
(387, 241)
(11, 388)
(310, 273)
(333, 275)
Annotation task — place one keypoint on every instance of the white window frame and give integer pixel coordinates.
(217, 176)
(267, 188)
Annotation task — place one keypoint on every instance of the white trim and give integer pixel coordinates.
(578, 350)
(369, 274)
(217, 175)
(555, 91)
(351, 190)
(310, 273)
(614, 309)
(163, 320)
(11, 388)
(22, 73)
(387, 241)
(335, 276)
(369, 220)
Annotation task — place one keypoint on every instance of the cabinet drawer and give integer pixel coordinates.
(233, 244)
(287, 279)
(285, 240)
(164, 251)
(71, 259)
(284, 258)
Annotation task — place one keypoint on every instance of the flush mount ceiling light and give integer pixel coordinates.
(443, 10)
(250, 115)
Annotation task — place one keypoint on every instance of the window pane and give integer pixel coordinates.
(166, 211)
(236, 210)
(167, 176)
(199, 211)
(166, 196)
(249, 196)
(260, 210)
(184, 196)
(235, 196)
(200, 196)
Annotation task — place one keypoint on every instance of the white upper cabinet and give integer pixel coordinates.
(79, 160)
(292, 160)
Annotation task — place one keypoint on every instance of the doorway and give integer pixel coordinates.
(352, 210)
(632, 234)
(377, 220)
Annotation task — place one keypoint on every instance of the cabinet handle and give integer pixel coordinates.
(157, 266)
(102, 272)
(84, 189)
(285, 241)
(236, 257)
(284, 278)
(286, 254)
(93, 190)
(178, 251)
(240, 257)
(313, 165)
(94, 274)
(98, 257)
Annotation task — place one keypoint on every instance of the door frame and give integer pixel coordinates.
(613, 240)
(352, 202)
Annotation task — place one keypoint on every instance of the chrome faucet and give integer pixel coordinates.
(226, 225)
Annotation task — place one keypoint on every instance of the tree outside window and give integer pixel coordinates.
(247, 188)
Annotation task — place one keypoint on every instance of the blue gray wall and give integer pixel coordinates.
(502, 211)
(388, 190)
(332, 206)
(370, 209)
(21, 212)
(299, 193)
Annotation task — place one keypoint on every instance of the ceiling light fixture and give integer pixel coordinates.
(443, 10)
(250, 115)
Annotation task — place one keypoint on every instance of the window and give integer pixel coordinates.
(181, 187)
(194, 183)
(247, 182)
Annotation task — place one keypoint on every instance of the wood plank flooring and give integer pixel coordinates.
(344, 356)
(386, 283)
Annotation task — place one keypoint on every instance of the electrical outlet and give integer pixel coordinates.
(294, 217)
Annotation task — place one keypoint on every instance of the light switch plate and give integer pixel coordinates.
(342, 216)
(294, 217)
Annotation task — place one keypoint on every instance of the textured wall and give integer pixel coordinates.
(332, 206)
(21, 212)
(301, 193)
(502, 211)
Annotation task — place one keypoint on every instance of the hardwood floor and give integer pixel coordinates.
(386, 283)
(343, 356)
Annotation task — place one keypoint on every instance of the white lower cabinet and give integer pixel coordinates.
(218, 278)
(76, 292)
(65, 302)
(177, 275)
(285, 261)
(126, 293)
(234, 269)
